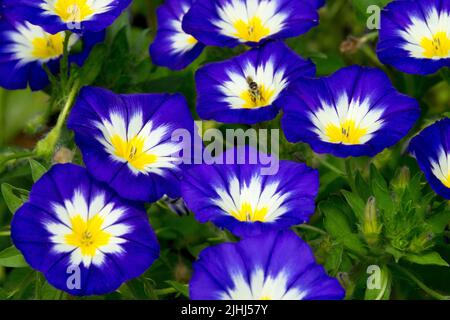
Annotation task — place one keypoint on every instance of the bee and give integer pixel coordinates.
(254, 91)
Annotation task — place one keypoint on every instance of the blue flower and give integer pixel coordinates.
(74, 15)
(172, 47)
(237, 196)
(415, 35)
(25, 48)
(73, 226)
(271, 266)
(233, 22)
(127, 142)
(246, 89)
(354, 112)
(432, 150)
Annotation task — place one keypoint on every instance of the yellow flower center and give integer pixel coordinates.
(265, 298)
(87, 235)
(132, 151)
(438, 47)
(256, 96)
(347, 133)
(191, 40)
(246, 213)
(73, 10)
(48, 47)
(251, 31)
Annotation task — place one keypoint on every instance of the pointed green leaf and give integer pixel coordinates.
(14, 197)
(182, 288)
(338, 226)
(37, 170)
(439, 221)
(11, 257)
(430, 258)
(356, 203)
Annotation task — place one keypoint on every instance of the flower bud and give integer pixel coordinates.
(401, 181)
(371, 227)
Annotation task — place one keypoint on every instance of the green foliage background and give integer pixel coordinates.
(377, 211)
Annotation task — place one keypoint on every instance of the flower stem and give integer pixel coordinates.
(46, 146)
(5, 233)
(423, 286)
(333, 168)
(312, 228)
(17, 156)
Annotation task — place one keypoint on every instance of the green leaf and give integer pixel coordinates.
(356, 203)
(12, 258)
(381, 191)
(14, 197)
(182, 288)
(93, 65)
(430, 258)
(439, 221)
(337, 225)
(37, 170)
(334, 260)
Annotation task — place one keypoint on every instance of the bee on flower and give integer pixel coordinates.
(246, 89)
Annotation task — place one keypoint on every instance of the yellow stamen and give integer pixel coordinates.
(252, 31)
(48, 47)
(347, 133)
(246, 213)
(438, 47)
(266, 298)
(191, 40)
(87, 235)
(133, 151)
(73, 10)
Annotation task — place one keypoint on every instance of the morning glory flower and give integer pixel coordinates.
(233, 22)
(354, 112)
(81, 235)
(415, 36)
(172, 47)
(25, 48)
(240, 198)
(432, 151)
(246, 89)
(277, 265)
(74, 15)
(126, 140)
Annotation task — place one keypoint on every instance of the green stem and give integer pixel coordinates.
(3, 97)
(46, 146)
(312, 228)
(349, 172)
(5, 233)
(369, 37)
(166, 291)
(333, 168)
(17, 156)
(424, 287)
